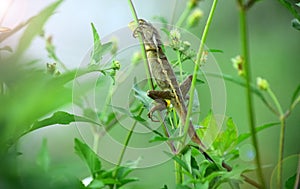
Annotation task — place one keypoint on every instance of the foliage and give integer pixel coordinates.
(34, 95)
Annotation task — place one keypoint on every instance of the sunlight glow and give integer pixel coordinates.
(12, 12)
(4, 4)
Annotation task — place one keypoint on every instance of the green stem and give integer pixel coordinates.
(180, 65)
(184, 15)
(96, 139)
(196, 68)
(275, 100)
(126, 144)
(107, 102)
(187, 11)
(245, 51)
(142, 46)
(281, 151)
(281, 137)
(179, 174)
(128, 138)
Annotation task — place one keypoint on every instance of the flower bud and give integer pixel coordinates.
(116, 65)
(194, 18)
(262, 84)
(136, 58)
(114, 48)
(193, 3)
(238, 64)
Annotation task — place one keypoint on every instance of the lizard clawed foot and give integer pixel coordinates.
(160, 106)
(150, 115)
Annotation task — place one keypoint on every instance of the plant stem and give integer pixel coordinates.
(275, 100)
(126, 144)
(245, 52)
(142, 46)
(96, 139)
(128, 138)
(184, 16)
(196, 68)
(179, 174)
(180, 65)
(281, 150)
(281, 137)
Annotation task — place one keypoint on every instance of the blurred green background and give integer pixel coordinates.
(274, 55)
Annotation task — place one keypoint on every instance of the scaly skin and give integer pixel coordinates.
(165, 78)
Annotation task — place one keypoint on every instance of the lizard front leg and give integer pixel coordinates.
(160, 98)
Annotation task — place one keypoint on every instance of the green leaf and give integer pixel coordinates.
(160, 138)
(202, 185)
(296, 24)
(99, 49)
(95, 35)
(127, 180)
(141, 95)
(290, 183)
(211, 128)
(290, 7)
(215, 50)
(35, 94)
(182, 186)
(122, 172)
(96, 184)
(179, 161)
(35, 27)
(244, 136)
(63, 118)
(108, 181)
(227, 139)
(296, 94)
(43, 158)
(89, 157)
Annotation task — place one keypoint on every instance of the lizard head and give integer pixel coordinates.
(146, 30)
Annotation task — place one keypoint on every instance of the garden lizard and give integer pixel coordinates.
(163, 73)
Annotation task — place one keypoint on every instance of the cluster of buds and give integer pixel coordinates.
(194, 18)
(179, 45)
(238, 64)
(115, 66)
(52, 69)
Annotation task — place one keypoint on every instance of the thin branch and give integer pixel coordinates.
(249, 99)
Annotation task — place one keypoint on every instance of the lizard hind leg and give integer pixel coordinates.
(185, 86)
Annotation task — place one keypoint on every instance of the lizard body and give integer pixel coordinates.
(165, 78)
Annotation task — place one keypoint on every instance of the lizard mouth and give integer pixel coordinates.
(137, 28)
